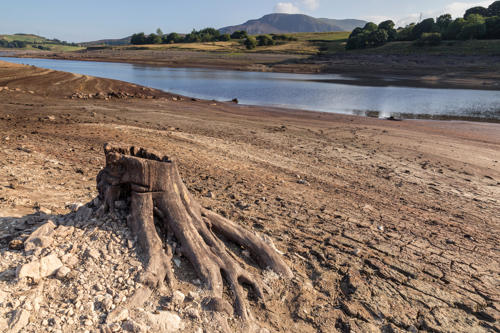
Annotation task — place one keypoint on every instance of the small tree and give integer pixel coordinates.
(476, 10)
(138, 39)
(454, 28)
(225, 37)
(426, 26)
(494, 9)
(429, 38)
(239, 34)
(492, 27)
(474, 27)
(265, 40)
(443, 22)
(250, 43)
(370, 26)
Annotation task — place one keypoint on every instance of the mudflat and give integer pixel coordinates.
(388, 226)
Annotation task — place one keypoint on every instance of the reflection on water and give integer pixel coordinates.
(300, 91)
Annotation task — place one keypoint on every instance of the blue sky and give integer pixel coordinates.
(91, 19)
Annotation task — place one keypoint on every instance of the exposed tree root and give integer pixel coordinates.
(154, 190)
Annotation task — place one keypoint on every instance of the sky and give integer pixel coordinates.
(80, 21)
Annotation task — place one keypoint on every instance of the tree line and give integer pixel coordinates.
(204, 35)
(209, 35)
(477, 23)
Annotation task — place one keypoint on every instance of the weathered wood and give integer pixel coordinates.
(152, 187)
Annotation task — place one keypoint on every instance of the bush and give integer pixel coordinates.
(494, 9)
(476, 10)
(250, 43)
(405, 34)
(225, 37)
(138, 39)
(454, 28)
(370, 26)
(474, 28)
(239, 34)
(171, 38)
(426, 26)
(429, 38)
(378, 38)
(265, 40)
(492, 27)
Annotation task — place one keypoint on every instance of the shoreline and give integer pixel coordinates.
(403, 70)
(360, 113)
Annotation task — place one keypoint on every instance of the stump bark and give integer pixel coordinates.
(157, 197)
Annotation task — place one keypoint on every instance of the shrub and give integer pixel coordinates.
(476, 10)
(239, 34)
(492, 27)
(494, 9)
(429, 38)
(250, 43)
(264, 40)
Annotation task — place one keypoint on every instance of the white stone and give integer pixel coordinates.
(165, 321)
(178, 297)
(62, 272)
(49, 265)
(41, 237)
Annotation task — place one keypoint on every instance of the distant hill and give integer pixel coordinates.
(109, 42)
(289, 23)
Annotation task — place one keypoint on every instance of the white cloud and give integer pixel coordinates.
(286, 8)
(310, 4)
(456, 9)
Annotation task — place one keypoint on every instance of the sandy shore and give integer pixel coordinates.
(387, 226)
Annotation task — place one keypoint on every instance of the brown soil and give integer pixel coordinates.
(433, 71)
(387, 226)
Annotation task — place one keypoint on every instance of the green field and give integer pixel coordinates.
(324, 43)
(329, 43)
(37, 40)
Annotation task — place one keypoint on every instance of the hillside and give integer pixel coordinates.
(31, 41)
(109, 42)
(289, 23)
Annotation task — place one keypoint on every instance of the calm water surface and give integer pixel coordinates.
(299, 91)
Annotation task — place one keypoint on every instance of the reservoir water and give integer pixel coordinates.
(299, 91)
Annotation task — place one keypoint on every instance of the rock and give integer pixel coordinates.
(62, 272)
(69, 260)
(38, 269)
(165, 321)
(49, 265)
(177, 262)
(131, 326)
(41, 237)
(44, 210)
(19, 320)
(117, 315)
(75, 206)
(178, 298)
(193, 313)
(83, 213)
(93, 253)
(31, 270)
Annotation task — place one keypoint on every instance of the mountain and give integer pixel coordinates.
(288, 23)
(110, 42)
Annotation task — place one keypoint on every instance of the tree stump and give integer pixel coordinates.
(157, 197)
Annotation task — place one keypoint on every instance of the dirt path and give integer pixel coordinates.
(388, 226)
